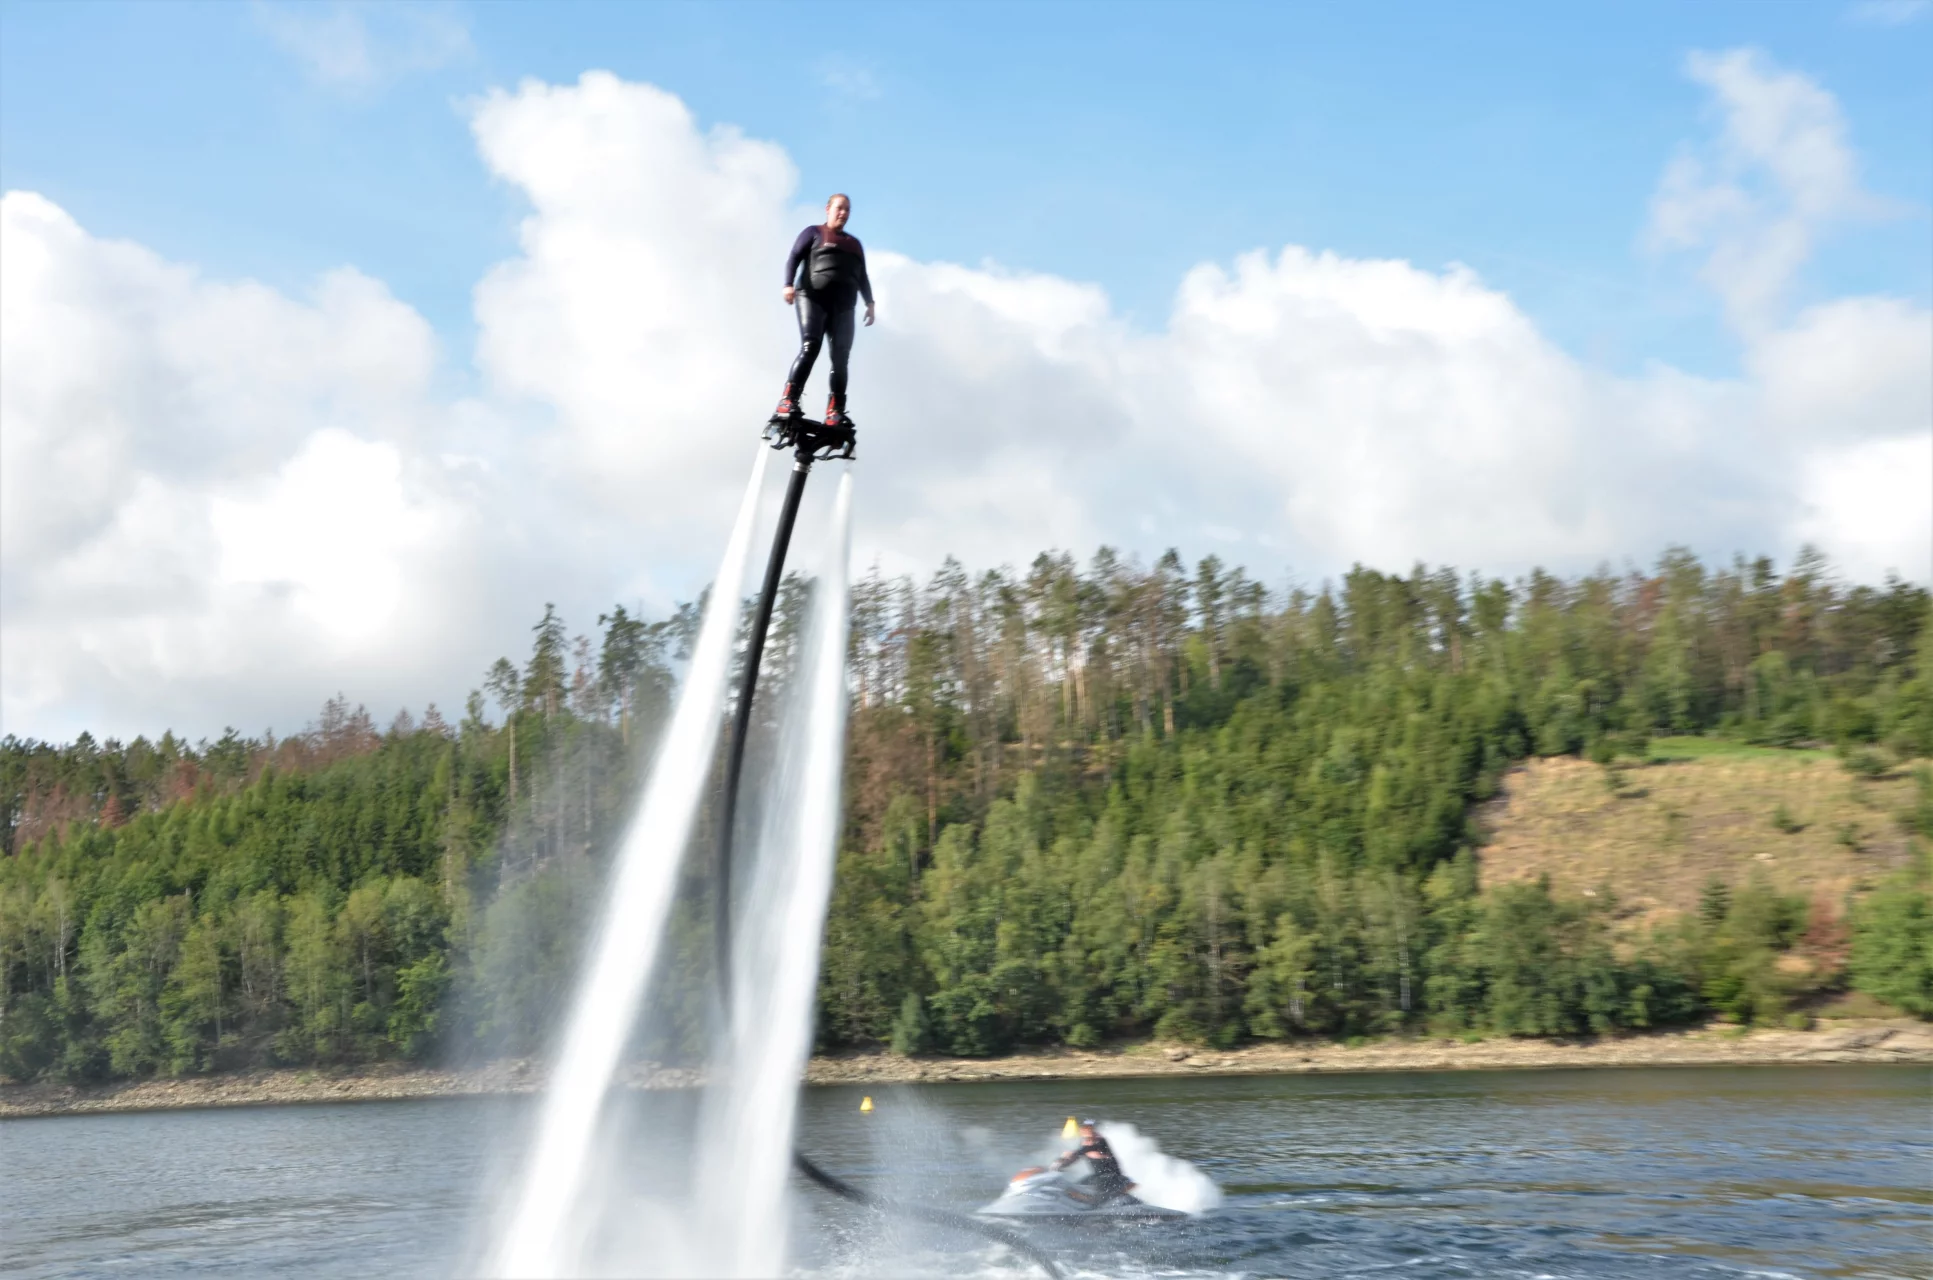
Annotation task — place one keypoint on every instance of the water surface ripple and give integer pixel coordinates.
(1708, 1172)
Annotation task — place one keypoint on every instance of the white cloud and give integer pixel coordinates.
(216, 500)
(332, 531)
(849, 80)
(1847, 371)
(357, 47)
(638, 309)
(1869, 502)
(1889, 13)
(1779, 173)
(223, 504)
(120, 366)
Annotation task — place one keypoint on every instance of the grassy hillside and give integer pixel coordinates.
(1698, 810)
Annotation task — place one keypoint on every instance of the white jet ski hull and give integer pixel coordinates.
(1046, 1196)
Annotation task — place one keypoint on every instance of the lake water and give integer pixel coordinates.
(1808, 1172)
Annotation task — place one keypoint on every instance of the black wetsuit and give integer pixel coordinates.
(1104, 1179)
(829, 270)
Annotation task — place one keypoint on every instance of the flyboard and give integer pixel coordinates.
(809, 442)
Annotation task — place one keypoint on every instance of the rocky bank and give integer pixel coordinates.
(1860, 1041)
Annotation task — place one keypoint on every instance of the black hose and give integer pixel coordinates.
(722, 881)
(927, 1213)
(721, 867)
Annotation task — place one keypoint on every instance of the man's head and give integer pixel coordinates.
(838, 209)
(1088, 1132)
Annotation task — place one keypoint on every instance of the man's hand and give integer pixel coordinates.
(791, 293)
(869, 313)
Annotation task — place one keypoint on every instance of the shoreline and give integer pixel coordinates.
(1874, 1041)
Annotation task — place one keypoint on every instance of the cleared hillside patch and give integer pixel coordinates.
(1656, 833)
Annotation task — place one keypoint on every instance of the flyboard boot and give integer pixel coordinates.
(838, 426)
(786, 420)
(788, 428)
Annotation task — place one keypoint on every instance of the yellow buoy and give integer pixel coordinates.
(866, 1103)
(1071, 1130)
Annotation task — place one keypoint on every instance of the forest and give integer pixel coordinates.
(1085, 803)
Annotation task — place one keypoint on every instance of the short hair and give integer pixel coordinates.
(839, 195)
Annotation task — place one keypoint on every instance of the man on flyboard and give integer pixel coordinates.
(825, 276)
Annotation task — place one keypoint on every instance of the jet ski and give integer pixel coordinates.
(1049, 1195)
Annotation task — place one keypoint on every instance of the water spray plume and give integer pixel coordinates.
(734, 1223)
(803, 823)
(538, 1242)
(1160, 1179)
(751, 1108)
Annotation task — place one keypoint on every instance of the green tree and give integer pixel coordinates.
(1278, 989)
(319, 982)
(1892, 949)
(195, 999)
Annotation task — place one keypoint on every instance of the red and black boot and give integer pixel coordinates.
(836, 412)
(840, 435)
(788, 406)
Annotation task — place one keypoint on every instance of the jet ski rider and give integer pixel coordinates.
(1104, 1179)
(825, 275)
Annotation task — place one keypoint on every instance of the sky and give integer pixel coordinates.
(336, 340)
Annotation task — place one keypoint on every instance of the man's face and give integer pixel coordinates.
(837, 212)
(1087, 1133)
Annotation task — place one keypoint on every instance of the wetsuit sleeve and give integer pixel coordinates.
(865, 281)
(800, 247)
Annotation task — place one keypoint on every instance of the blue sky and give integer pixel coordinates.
(1116, 143)
(341, 339)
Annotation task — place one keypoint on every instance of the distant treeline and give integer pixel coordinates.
(1081, 804)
